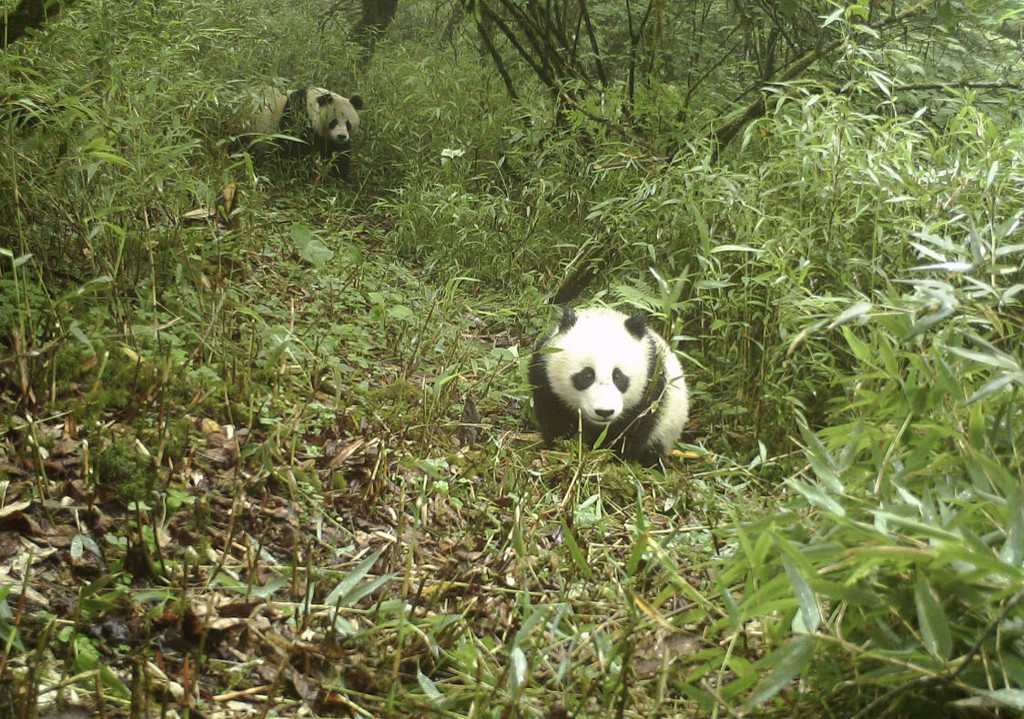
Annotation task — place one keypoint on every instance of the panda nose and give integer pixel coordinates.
(604, 413)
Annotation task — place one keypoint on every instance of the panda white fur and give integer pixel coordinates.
(603, 370)
(323, 122)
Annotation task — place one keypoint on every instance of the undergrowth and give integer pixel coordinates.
(266, 441)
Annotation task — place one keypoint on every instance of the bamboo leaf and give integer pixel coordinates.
(787, 662)
(816, 497)
(810, 614)
(1012, 552)
(821, 460)
(857, 309)
(574, 551)
(517, 670)
(1013, 698)
(995, 384)
(935, 632)
(340, 593)
(428, 687)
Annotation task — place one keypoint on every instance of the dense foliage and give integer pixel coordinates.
(266, 441)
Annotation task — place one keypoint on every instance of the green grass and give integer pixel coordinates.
(240, 467)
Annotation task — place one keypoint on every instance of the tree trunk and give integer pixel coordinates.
(376, 16)
(28, 14)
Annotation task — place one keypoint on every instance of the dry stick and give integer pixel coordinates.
(236, 508)
(278, 680)
(241, 693)
(19, 613)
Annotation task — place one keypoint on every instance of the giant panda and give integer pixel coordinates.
(602, 371)
(320, 121)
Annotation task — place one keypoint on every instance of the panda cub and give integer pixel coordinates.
(603, 370)
(322, 122)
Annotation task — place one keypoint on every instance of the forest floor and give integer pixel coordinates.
(332, 502)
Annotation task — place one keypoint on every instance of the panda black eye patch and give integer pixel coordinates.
(621, 380)
(583, 379)
(334, 124)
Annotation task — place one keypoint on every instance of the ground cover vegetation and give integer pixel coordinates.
(265, 445)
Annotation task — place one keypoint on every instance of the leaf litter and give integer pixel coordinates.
(308, 564)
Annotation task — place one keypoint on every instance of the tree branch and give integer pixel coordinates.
(758, 107)
(958, 86)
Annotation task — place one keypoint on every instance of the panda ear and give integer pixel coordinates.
(568, 319)
(325, 99)
(357, 102)
(637, 325)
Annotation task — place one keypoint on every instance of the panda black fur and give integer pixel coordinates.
(323, 122)
(609, 371)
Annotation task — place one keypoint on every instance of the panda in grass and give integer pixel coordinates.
(317, 120)
(605, 372)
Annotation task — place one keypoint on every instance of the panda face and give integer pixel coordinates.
(334, 119)
(601, 363)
